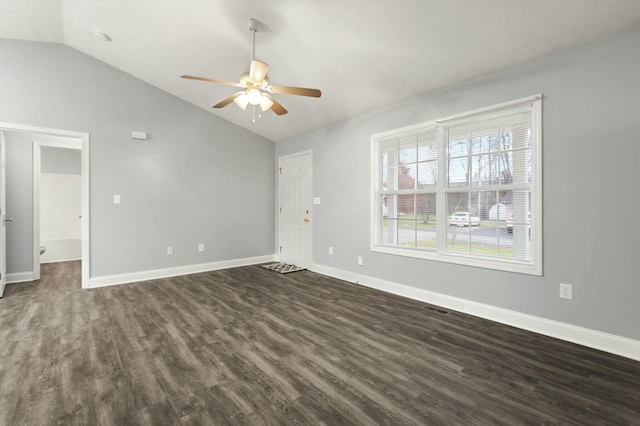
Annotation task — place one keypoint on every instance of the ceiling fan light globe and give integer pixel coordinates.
(254, 96)
(265, 103)
(241, 100)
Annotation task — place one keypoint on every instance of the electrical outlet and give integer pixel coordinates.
(360, 261)
(331, 250)
(566, 291)
(169, 250)
(201, 247)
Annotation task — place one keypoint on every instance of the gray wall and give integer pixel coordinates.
(60, 160)
(199, 179)
(591, 121)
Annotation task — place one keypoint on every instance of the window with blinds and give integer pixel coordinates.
(465, 189)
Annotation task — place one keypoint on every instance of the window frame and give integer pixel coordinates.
(440, 253)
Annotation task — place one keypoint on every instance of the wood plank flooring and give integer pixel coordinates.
(250, 346)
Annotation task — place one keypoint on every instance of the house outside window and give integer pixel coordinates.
(464, 189)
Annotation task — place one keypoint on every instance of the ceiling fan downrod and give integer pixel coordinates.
(254, 27)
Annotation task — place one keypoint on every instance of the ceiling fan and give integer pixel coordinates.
(255, 86)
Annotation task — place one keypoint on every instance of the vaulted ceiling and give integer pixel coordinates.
(362, 54)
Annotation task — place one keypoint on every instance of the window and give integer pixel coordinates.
(464, 189)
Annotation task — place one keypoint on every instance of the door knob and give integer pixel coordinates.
(8, 219)
(306, 219)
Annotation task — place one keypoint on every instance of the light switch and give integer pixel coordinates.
(316, 200)
(116, 199)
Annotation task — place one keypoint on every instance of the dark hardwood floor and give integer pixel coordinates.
(250, 346)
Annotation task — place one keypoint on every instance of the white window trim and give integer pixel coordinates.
(532, 268)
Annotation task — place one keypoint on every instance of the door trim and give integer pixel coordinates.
(3, 213)
(85, 172)
(308, 152)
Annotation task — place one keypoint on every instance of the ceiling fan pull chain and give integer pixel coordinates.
(254, 114)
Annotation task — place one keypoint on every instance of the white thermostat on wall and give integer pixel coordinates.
(138, 135)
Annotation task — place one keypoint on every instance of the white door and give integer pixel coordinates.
(294, 186)
(3, 216)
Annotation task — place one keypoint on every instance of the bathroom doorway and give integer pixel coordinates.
(57, 204)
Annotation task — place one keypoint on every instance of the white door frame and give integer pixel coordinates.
(3, 215)
(285, 157)
(83, 139)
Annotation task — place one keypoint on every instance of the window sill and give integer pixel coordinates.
(462, 259)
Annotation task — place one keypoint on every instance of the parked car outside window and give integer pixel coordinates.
(463, 219)
(510, 223)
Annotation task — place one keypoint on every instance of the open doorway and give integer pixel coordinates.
(23, 250)
(57, 201)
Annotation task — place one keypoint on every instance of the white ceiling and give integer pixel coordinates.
(362, 54)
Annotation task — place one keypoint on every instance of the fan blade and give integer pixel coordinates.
(212, 80)
(277, 108)
(300, 91)
(258, 72)
(223, 103)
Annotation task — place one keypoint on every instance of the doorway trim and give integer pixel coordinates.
(83, 139)
(309, 153)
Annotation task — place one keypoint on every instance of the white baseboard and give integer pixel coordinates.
(132, 277)
(19, 277)
(60, 260)
(611, 343)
